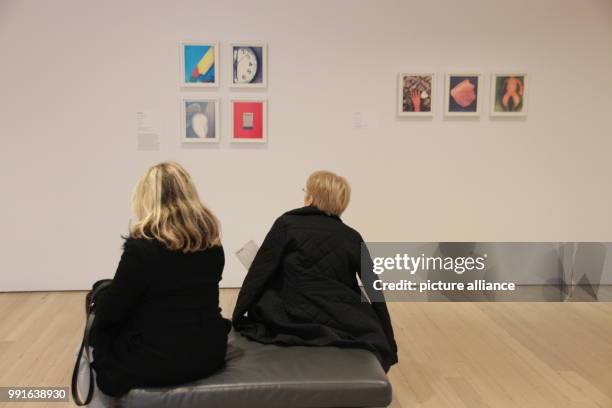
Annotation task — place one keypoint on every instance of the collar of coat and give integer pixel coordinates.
(311, 210)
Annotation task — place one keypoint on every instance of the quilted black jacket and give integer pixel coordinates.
(302, 289)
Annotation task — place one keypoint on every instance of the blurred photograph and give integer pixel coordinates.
(249, 121)
(200, 120)
(462, 95)
(509, 97)
(416, 94)
(249, 65)
(199, 64)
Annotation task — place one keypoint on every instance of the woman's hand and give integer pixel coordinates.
(415, 97)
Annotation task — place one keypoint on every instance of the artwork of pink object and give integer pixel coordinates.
(464, 93)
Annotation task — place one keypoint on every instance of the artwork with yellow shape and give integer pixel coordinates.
(199, 64)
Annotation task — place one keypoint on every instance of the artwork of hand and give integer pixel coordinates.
(415, 97)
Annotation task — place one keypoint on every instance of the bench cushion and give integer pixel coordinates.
(269, 376)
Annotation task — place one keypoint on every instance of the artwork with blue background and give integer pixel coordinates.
(199, 61)
(247, 64)
(463, 93)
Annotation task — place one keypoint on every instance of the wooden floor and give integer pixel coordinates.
(455, 355)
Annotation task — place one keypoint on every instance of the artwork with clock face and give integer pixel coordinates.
(199, 64)
(462, 94)
(249, 65)
(249, 121)
(509, 94)
(200, 122)
(415, 94)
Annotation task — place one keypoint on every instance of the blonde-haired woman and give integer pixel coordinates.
(159, 323)
(302, 288)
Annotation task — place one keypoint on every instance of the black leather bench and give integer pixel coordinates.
(268, 376)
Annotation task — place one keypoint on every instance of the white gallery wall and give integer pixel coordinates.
(73, 74)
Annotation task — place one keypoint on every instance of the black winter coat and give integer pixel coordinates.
(159, 323)
(302, 289)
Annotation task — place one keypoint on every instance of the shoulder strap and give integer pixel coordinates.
(77, 366)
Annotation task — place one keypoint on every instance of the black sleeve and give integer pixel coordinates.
(367, 276)
(265, 264)
(126, 290)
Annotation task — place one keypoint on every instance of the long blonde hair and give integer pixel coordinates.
(168, 209)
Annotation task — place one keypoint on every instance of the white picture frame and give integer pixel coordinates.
(188, 128)
(463, 95)
(431, 93)
(184, 83)
(260, 52)
(253, 120)
(498, 98)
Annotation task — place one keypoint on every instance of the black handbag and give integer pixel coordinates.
(90, 313)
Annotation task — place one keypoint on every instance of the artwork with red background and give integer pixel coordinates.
(247, 130)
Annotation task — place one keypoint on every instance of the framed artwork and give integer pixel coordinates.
(249, 121)
(249, 65)
(509, 94)
(462, 94)
(416, 94)
(200, 120)
(199, 64)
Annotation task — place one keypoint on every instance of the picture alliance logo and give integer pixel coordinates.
(414, 264)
